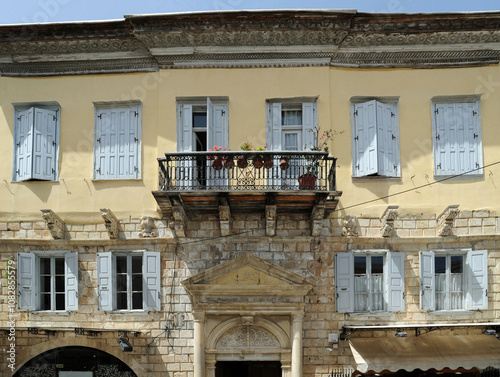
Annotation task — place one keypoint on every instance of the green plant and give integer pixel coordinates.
(246, 146)
(320, 145)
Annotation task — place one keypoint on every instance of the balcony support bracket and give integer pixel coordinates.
(387, 220)
(54, 223)
(445, 220)
(179, 215)
(111, 222)
(318, 215)
(271, 211)
(224, 216)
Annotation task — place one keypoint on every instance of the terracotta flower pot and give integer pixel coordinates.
(307, 182)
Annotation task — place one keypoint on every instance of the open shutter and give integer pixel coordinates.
(274, 139)
(26, 281)
(128, 143)
(23, 148)
(344, 281)
(445, 143)
(387, 140)
(309, 132)
(102, 154)
(184, 128)
(44, 144)
(71, 280)
(105, 280)
(427, 281)
(396, 282)
(152, 279)
(472, 149)
(477, 295)
(217, 125)
(365, 139)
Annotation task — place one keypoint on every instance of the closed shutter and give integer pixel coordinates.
(274, 139)
(427, 281)
(387, 140)
(152, 280)
(44, 144)
(309, 132)
(117, 143)
(396, 282)
(23, 148)
(344, 280)
(365, 139)
(105, 281)
(26, 281)
(472, 150)
(477, 295)
(71, 280)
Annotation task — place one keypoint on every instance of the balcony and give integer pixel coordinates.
(229, 182)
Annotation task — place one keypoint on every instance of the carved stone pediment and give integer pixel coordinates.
(247, 279)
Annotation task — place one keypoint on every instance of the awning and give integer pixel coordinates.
(425, 352)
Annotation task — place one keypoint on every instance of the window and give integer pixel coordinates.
(456, 127)
(375, 130)
(129, 281)
(369, 281)
(453, 280)
(48, 281)
(290, 124)
(117, 142)
(36, 141)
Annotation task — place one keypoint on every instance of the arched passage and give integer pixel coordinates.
(75, 361)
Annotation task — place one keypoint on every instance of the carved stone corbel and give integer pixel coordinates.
(247, 320)
(317, 216)
(180, 220)
(147, 225)
(271, 214)
(225, 220)
(349, 226)
(387, 219)
(111, 223)
(54, 223)
(445, 220)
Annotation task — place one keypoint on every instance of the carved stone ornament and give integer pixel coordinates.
(349, 226)
(147, 226)
(111, 223)
(387, 219)
(54, 223)
(247, 337)
(445, 220)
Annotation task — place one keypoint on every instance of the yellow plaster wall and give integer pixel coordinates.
(78, 198)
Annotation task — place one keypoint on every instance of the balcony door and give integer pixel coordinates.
(202, 124)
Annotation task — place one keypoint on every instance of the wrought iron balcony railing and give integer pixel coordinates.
(247, 171)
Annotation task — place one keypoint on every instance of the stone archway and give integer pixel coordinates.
(248, 310)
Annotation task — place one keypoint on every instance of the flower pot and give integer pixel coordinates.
(268, 162)
(307, 182)
(242, 161)
(258, 162)
(228, 162)
(284, 163)
(217, 163)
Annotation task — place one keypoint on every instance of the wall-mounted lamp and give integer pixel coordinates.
(123, 342)
(401, 334)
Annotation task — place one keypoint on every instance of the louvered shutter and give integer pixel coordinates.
(365, 139)
(184, 170)
(387, 140)
(26, 276)
(396, 281)
(472, 149)
(344, 280)
(105, 288)
(427, 281)
(217, 130)
(71, 280)
(44, 144)
(23, 148)
(102, 153)
(477, 295)
(152, 280)
(309, 132)
(274, 138)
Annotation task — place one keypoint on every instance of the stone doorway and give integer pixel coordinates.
(248, 369)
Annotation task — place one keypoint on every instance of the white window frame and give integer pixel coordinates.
(29, 163)
(394, 280)
(375, 138)
(106, 280)
(475, 279)
(114, 160)
(29, 279)
(468, 155)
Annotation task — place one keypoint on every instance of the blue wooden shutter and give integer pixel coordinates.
(308, 126)
(472, 150)
(365, 139)
(427, 281)
(217, 125)
(387, 140)
(344, 280)
(152, 280)
(396, 281)
(23, 148)
(105, 277)
(184, 170)
(26, 276)
(274, 140)
(477, 293)
(71, 280)
(44, 144)
(129, 143)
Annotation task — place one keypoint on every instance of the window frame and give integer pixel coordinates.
(439, 171)
(101, 108)
(475, 265)
(394, 281)
(378, 172)
(107, 282)
(29, 284)
(19, 108)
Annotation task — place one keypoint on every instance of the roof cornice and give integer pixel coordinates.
(251, 39)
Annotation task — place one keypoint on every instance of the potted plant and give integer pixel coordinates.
(284, 162)
(217, 160)
(308, 180)
(241, 160)
(258, 159)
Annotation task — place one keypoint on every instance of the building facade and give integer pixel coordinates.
(251, 193)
